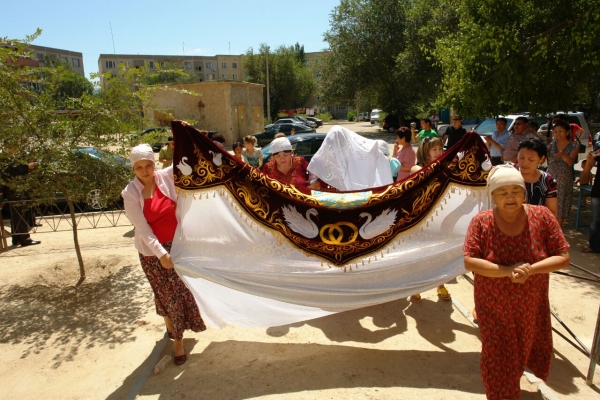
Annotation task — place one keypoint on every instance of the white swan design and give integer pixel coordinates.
(216, 158)
(304, 226)
(487, 164)
(379, 225)
(183, 167)
(460, 155)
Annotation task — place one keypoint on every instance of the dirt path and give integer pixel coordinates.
(94, 342)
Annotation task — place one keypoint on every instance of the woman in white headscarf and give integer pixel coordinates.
(150, 203)
(348, 161)
(512, 248)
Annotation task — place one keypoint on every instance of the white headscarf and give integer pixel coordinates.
(348, 161)
(141, 152)
(504, 175)
(280, 144)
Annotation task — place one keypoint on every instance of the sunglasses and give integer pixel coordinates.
(284, 152)
(428, 139)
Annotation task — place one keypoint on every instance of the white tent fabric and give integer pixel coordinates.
(245, 275)
(348, 161)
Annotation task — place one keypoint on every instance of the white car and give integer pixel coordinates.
(375, 116)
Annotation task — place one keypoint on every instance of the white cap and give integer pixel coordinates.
(280, 144)
(504, 175)
(141, 152)
(383, 147)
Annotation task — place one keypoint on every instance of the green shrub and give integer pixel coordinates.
(351, 115)
(325, 117)
(382, 116)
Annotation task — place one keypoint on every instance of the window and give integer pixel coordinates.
(223, 65)
(39, 56)
(151, 64)
(162, 64)
(198, 69)
(224, 76)
(75, 62)
(110, 64)
(234, 77)
(234, 65)
(210, 77)
(210, 65)
(64, 60)
(187, 65)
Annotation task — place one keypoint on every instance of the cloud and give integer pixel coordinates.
(196, 51)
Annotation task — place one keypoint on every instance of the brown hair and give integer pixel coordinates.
(424, 147)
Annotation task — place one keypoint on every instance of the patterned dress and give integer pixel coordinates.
(171, 297)
(563, 172)
(252, 159)
(297, 175)
(514, 319)
(544, 188)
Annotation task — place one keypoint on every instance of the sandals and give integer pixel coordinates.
(442, 292)
(179, 360)
(415, 298)
(587, 250)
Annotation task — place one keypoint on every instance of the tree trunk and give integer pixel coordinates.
(76, 242)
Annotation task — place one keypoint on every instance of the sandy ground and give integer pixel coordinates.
(102, 339)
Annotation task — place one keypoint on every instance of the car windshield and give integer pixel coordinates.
(101, 155)
(488, 126)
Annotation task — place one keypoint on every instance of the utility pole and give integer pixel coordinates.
(268, 93)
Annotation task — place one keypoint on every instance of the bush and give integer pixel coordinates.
(351, 115)
(382, 116)
(325, 117)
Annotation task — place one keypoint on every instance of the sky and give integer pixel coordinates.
(166, 27)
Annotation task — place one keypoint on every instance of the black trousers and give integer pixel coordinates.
(21, 216)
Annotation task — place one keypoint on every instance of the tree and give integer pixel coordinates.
(291, 82)
(520, 55)
(169, 73)
(35, 126)
(377, 55)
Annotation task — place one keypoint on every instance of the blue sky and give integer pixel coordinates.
(167, 27)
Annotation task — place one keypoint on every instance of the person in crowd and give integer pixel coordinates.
(349, 161)
(511, 249)
(293, 131)
(497, 142)
(218, 139)
(251, 155)
(426, 131)
(592, 159)
(150, 203)
(284, 166)
(165, 156)
(540, 186)
(522, 132)
(237, 150)
(562, 155)
(429, 149)
(404, 152)
(576, 131)
(278, 135)
(533, 126)
(454, 133)
(414, 133)
(384, 147)
(22, 217)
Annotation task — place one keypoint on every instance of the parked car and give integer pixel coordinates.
(575, 117)
(316, 121)
(375, 116)
(305, 144)
(266, 137)
(364, 116)
(391, 122)
(487, 127)
(306, 121)
(161, 134)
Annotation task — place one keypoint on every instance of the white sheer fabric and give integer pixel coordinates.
(244, 275)
(348, 161)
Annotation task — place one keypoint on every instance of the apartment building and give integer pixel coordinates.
(315, 60)
(45, 54)
(207, 68)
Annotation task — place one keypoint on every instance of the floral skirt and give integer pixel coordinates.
(171, 297)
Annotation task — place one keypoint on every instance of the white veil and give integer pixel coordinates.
(348, 161)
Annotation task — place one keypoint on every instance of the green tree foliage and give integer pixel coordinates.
(169, 73)
(291, 82)
(44, 119)
(379, 55)
(520, 55)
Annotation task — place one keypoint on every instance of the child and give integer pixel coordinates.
(250, 154)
